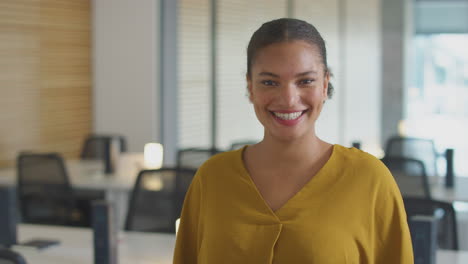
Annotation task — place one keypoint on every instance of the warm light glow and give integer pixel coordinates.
(153, 154)
(402, 130)
(153, 184)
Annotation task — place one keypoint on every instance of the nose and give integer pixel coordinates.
(289, 95)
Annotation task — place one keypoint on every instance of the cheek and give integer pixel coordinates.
(259, 98)
(314, 95)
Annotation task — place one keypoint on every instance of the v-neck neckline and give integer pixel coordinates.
(311, 183)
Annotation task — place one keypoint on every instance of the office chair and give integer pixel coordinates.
(157, 199)
(447, 237)
(414, 148)
(194, 157)
(410, 175)
(239, 144)
(44, 191)
(103, 148)
(97, 147)
(8, 256)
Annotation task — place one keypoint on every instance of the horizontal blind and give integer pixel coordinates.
(45, 77)
(237, 20)
(194, 95)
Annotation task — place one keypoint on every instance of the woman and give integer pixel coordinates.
(292, 198)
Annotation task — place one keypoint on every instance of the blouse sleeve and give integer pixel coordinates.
(188, 236)
(393, 239)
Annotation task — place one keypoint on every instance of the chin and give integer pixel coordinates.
(287, 137)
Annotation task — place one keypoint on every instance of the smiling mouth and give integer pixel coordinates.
(288, 116)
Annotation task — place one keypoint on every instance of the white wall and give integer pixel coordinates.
(362, 77)
(125, 55)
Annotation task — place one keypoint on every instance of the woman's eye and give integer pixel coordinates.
(268, 83)
(306, 81)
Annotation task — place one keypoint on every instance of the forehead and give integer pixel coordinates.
(288, 58)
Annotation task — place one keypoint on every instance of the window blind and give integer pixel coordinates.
(194, 97)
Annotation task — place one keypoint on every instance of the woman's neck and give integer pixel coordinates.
(297, 151)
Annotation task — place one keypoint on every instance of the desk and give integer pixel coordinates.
(458, 193)
(452, 257)
(89, 175)
(76, 247)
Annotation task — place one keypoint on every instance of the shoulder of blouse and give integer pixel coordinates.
(221, 162)
(364, 164)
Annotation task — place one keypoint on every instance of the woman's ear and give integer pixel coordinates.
(249, 87)
(326, 81)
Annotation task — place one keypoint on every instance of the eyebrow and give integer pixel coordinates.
(277, 76)
(269, 74)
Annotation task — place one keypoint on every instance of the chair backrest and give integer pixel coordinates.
(239, 144)
(410, 175)
(157, 199)
(447, 237)
(8, 216)
(194, 157)
(414, 148)
(8, 256)
(44, 191)
(97, 147)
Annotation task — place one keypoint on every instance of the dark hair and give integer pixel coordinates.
(287, 29)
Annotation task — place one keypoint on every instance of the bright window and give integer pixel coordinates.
(437, 99)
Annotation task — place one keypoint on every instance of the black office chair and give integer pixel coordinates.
(44, 191)
(414, 148)
(97, 147)
(8, 256)
(194, 157)
(410, 175)
(239, 144)
(447, 237)
(157, 198)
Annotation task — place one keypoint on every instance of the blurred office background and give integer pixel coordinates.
(174, 72)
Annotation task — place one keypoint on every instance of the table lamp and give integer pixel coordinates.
(153, 155)
(402, 128)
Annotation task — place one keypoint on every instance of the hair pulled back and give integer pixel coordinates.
(284, 30)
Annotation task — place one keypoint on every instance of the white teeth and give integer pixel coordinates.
(288, 116)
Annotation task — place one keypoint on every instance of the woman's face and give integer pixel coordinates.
(288, 86)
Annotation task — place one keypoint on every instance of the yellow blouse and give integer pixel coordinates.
(351, 211)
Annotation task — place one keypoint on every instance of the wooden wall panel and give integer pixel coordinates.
(45, 76)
